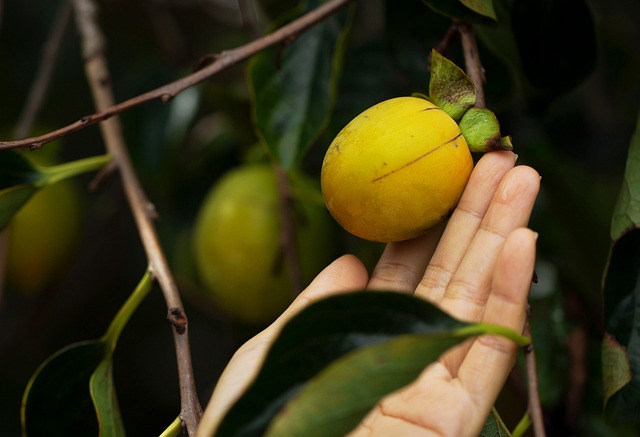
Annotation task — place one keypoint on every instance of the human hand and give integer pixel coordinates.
(478, 269)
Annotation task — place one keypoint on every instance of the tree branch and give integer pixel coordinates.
(473, 66)
(535, 409)
(100, 84)
(165, 93)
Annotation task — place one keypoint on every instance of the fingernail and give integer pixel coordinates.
(515, 157)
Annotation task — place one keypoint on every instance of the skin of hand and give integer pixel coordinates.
(477, 268)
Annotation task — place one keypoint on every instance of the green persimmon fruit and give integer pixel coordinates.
(43, 237)
(237, 242)
(396, 170)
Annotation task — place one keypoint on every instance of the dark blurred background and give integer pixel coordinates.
(572, 122)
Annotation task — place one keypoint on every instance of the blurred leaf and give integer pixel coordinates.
(557, 44)
(621, 346)
(20, 178)
(327, 330)
(294, 87)
(494, 426)
(474, 11)
(72, 392)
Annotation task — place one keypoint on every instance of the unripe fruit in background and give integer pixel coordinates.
(237, 238)
(396, 170)
(43, 236)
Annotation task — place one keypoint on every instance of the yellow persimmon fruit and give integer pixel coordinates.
(238, 242)
(396, 170)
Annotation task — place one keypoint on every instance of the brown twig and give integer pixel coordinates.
(287, 229)
(40, 85)
(535, 409)
(472, 62)
(100, 84)
(165, 93)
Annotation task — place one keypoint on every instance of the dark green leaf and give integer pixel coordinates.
(294, 87)
(449, 87)
(621, 346)
(557, 44)
(72, 392)
(18, 182)
(57, 400)
(474, 11)
(338, 398)
(318, 335)
(494, 426)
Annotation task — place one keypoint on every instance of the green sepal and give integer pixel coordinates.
(481, 130)
(449, 87)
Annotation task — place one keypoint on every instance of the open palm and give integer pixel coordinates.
(478, 268)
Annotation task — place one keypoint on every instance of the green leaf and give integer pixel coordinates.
(294, 87)
(494, 426)
(72, 392)
(57, 401)
(482, 7)
(557, 45)
(338, 398)
(626, 214)
(20, 178)
(326, 331)
(621, 344)
(449, 87)
(105, 401)
(474, 11)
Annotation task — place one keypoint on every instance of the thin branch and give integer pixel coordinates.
(41, 81)
(473, 65)
(100, 84)
(165, 93)
(287, 229)
(535, 409)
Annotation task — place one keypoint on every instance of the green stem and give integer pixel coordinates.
(494, 329)
(174, 430)
(522, 426)
(67, 170)
(124, 314)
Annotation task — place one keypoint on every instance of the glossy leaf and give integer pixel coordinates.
(324, 332)
(57, 400)
(20, 179)
(557, 45)
(449, 87)
(621, 345)
(72, 392)
(475, 11)
(105, 401)
(293, 87)
(338, 398)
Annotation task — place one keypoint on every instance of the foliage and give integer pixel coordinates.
(561, 76)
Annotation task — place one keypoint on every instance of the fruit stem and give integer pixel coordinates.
(126, 311)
